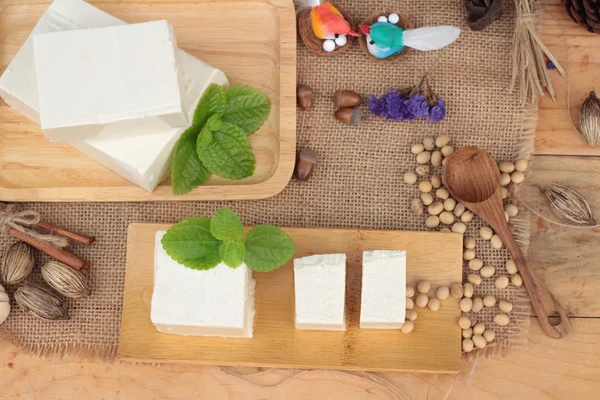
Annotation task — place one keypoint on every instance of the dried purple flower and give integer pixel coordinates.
(417, 106)
(438, 112)
(376, 106)
(550, 65)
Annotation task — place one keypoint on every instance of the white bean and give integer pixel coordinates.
(424, 157)
(410, 304)
(434, 304)
(506, 166)
(410, 178)
(517, 280)
(432, 221)
(464, 322)
(410, 291)
(428, 144)
(468, 290)
(423, 170)
(421, 300)
(504, 192)
(489, 301)
(407, 327)
(449, 204)
(477, 304)
(423, 286)
(447, 150)
(486, 233)
(505, 306)
(468, 254)
(425, 186)
(417, 148)
(466, 304)
(436, 158)
(436, 181)
(459, 209)
(435, 208)
(521, 165)
(442, 141)
(475, 264)
(496, 242)
(446, 218)
(488, 271)
(512, 210)
(426, 198)
(475, 279)
(456, 290)
(517, 177)
(479, 328)
(479, 341)
(411, 315)
(459, 227)
(504, 179)
(467, 345)
(467, 333)
(489, 335)
(511, 267)
(442, 292)
(501, 282)
(469, 242)
(442, 193)
(502, 319)
(467, 216)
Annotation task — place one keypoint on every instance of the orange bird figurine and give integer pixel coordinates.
(329, 23)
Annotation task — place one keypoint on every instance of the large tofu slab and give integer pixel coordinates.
(109, 81)
(320, 288)
(140, 158)
(217, 302)
(383, 298)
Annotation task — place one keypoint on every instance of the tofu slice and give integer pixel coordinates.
(320, 288)
(217, 302)
(383, 299)
(142, 159)
(109, 82)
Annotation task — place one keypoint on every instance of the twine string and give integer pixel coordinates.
(24, 221)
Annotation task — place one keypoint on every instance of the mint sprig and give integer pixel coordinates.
(203, 243)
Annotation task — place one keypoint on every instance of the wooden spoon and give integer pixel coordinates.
(472, 176)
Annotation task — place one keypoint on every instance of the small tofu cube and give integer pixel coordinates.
(383, 299)
(109, 81)
(320, 286)
(216, 302)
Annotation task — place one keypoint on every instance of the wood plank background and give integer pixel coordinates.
(548, 369)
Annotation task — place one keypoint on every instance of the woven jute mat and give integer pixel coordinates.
(358, 183)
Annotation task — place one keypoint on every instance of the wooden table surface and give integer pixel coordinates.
(548, 369)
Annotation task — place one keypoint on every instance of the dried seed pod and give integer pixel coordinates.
(589, 119)
(305, 165)
(349, 116)
(346, 98)
(570, 205)
(41, 301)
(305, 97)
(65, 280)
(17, 264)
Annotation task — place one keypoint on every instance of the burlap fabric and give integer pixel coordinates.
(358, 183)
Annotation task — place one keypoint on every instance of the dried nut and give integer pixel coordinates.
(467, 333)
(475, 264)
(479, 341)
(459, 227)
(486, 233)
(488, 271)
(410, 304)
(423, 286)
(417, 148)
(504, 192)
(442, 292)
(517, 177)
(466, 304)
(435, 208)
(426, 198)
(436, 181)
(422, 170)
(346, 98)
(434, 304)
(66, 280)
(447, 150)
(467, 345)
(446, 218)
(489, 301)
(512, 210)
(464, 322)
(424, 157)
(468, 254)
(467, 216)
(410, 291)
(505, 306)
(429, 143)
(511, 267)
(349, 116)
(305, 165)
(506, 166)
(496, 242)
(521, 165)
(436, 158)
(417, 207)
(421, 300)
(411, 315)
(501, 282)
(489, 335)
(477, 304)
(442, 193)
(504, 179)
(407, 327)
(517, 280)
(468, 290)
(445, 230)
(432, 221)
(425, 186)
(17, 264)
(41, 301)
(449, 204)
(479, 328)
(502, 319)
(410, 178)
(475, 279)
(469, 243)
(442, 141)
(305, 97)
(456, 290)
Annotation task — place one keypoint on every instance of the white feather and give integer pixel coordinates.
(303, 4)
(430, 37)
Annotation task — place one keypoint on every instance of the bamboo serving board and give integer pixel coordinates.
(433, 346)
(252, 41)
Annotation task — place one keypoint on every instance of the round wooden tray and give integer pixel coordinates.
(315, 44)
(370, 20)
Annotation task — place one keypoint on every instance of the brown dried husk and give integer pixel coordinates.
(570, 205)
(589, 119)
(65, 280)
(41, 302)
(17, 264)
(313, 43)
(370, 20)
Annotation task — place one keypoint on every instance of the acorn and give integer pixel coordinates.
(305, 97)
(346, 98)
(305, 164)
(349, 116)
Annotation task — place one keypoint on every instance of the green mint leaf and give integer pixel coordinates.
(268, 248)
(228, 154)
(232, 253)
(226, 225)
(214, 123)
(213, 101)
(247, 108)
(191, 244)
(188, 172)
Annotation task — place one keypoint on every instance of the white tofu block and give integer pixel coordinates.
(320, 288)
(383, 298)
(147, 168)
(216, 302)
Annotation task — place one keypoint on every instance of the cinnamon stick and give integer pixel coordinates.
(53, 251)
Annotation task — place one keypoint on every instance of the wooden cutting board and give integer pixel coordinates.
(433, 346)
